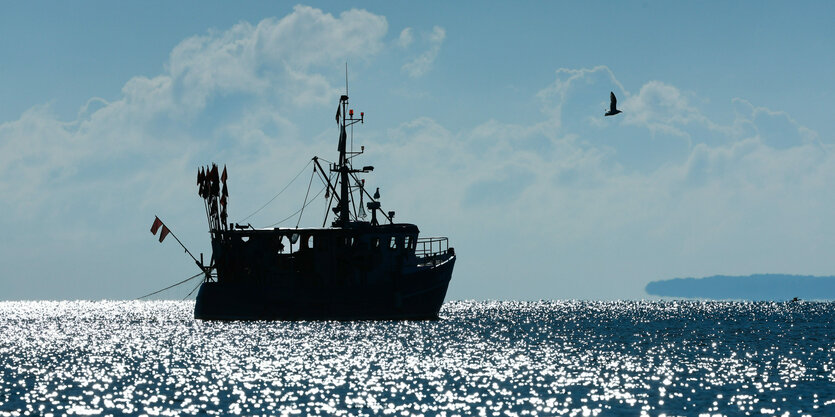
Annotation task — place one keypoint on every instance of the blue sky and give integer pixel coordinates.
(484, 122)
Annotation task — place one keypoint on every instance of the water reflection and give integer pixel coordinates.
(491, 358)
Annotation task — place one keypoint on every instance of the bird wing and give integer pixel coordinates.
(613, 101)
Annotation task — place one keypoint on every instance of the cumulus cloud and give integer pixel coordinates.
(92, 183)
(561, 192)
(661, 108)
(565, 87)
(776, 128)
(615, 201)
(421, 64)
(249, 60)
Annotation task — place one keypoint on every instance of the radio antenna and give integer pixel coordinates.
(346, 78)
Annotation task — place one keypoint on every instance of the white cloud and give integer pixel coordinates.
(660, 108)
(421, 64)
(309, 37)
(406, 38)
(554, 95)
(243, 60)
(572, 196)
(556, 197)
(776, 128)
(93, 183)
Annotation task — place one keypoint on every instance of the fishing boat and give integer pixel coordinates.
(357, 268)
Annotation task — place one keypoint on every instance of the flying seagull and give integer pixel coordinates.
(613, 104)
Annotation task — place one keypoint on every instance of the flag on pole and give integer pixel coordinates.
(201, 179)
(156, 225)
(342, 138)
(223, 176)
(163, 233)
(338, 111)
(207, 182)
(215, 181)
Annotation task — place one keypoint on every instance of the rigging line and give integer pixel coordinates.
(330, 200)
(353, 204)
(171, 286)
(305, 198)
(206, 206)
(279, 193)
(299, 210)
(192, 291)
(327, 182)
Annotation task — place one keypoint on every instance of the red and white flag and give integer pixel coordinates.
(156, 225)
(163, 233)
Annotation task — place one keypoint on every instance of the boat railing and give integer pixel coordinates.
(431, 246)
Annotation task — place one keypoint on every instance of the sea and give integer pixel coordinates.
(508, 358)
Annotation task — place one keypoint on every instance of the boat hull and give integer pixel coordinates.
(410, 296)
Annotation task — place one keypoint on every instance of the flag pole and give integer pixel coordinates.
(183, 246)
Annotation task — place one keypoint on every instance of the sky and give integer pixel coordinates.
(484, 122)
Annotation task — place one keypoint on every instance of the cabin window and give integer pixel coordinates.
(376, 242)
(295, 242)
(310, 242)
(393, 243)
(407, 242)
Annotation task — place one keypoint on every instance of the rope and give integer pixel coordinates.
(171, 286)
(192, 291)
(299, 210)
(304, 204)
(279, 193)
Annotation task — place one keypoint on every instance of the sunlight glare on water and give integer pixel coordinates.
(482, 358)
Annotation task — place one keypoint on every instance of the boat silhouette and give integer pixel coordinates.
(354, 269)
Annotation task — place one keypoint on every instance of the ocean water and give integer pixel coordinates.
(481, 359)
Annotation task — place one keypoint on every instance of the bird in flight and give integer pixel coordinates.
(613, 104)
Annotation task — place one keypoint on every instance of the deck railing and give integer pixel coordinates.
(431, 246)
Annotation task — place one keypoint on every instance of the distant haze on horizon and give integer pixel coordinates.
(484, 123)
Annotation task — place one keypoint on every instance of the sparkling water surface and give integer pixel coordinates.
(482, 358)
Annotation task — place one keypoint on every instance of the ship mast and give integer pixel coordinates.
(343, 157)
(346, 173)
(343, 166)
